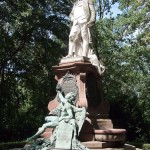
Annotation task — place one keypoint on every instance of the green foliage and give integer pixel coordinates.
(146, 146)
(11, 145)
(122, 43)
(31, 43)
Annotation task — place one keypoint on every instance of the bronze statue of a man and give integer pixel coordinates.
(83, 18)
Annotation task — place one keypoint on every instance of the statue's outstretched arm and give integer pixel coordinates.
(76, 109)
(56, 111)
(62, 99)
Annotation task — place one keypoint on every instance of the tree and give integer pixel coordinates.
(31, 43)
(123, 45)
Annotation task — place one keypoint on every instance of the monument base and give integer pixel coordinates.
(97, 146)
(97, 131)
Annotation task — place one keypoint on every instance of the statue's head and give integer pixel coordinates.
(70, 97)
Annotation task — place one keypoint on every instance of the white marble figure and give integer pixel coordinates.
(80, 40)
(83, 18)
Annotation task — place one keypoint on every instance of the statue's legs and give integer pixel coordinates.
(41, 130)
(71, 47)
(79, 33)
(85, 39)
(74, 34)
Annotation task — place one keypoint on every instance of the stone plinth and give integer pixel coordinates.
(74, 60)
(84, 80)
(95, 144)
(110, 135)
(88, 82)
(104, 135)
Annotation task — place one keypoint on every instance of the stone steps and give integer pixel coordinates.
(96, 145)
(109, 149)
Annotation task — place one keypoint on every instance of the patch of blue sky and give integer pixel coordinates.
(115, 10)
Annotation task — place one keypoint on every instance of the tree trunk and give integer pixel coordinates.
(1, 84)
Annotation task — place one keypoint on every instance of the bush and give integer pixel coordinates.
(146, 146)
(10, 145)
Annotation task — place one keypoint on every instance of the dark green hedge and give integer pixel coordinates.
(11, 145)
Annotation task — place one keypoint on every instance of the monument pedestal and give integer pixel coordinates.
(88, 82)
(81, 77)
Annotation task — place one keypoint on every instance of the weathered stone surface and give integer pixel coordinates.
(64, 136)
(74, 59)
(129, 147)
(104, 124)
(110, 131)
(86, 137)
(110, 149)
(82, 70)
(69, 84)
(126, 147)
(95, 144)
(103, 137)
(110, 135)
(47, 133)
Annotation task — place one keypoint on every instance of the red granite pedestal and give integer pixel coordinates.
(97, 131)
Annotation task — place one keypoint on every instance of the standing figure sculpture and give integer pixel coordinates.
(83, 18)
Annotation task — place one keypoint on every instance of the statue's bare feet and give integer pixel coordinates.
(76, 55)
(69, 56)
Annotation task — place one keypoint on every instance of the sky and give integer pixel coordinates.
(115, 9)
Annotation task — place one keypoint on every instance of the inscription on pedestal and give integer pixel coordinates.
(69, 85)
(64, 136)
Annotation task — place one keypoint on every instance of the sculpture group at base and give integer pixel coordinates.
(67, 120)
